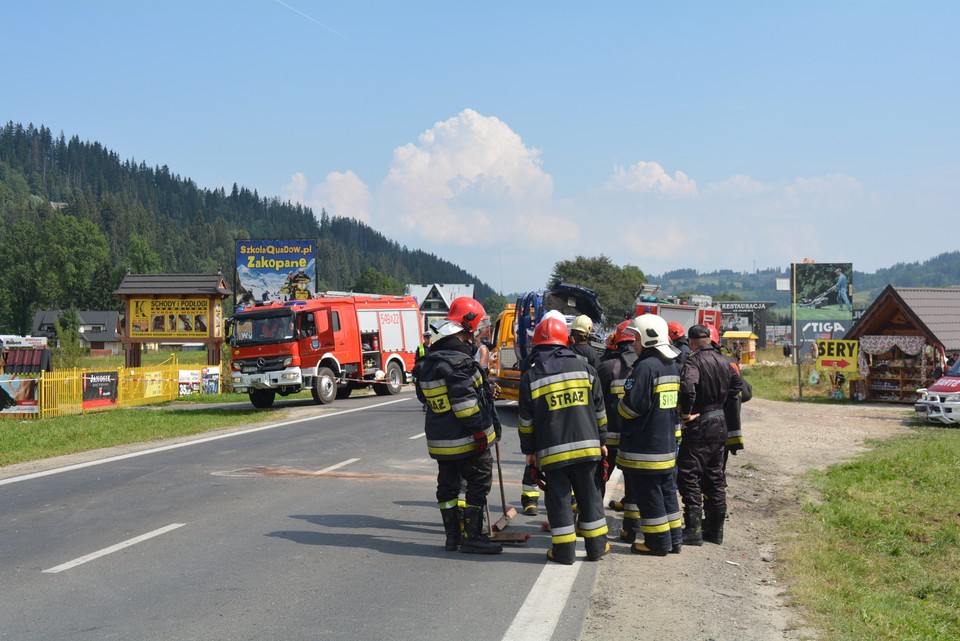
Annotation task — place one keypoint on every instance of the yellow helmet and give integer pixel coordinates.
(582, 324)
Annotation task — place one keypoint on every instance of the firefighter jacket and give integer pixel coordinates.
(561, 414)
(706, 383)
(613, 373)
(731, 412)
(684, 346)
(586, 353)
(458, 398)
(648, 413)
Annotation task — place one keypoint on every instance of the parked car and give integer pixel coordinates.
(940, 403)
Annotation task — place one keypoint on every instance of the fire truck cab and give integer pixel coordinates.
(700, 310)
(331, 345)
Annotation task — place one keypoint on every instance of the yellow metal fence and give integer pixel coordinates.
(61, 393)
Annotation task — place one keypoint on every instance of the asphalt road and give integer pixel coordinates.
(322, 527)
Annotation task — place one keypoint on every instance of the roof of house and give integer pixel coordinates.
(173, 285)
(933, 311)
(108, 319)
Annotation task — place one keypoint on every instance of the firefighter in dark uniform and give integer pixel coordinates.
(648, 442)
(731, 408)
(580, 340)
(679, 340)
(461, 425)
(613, 373)
(530, 482)
(562, 424)
(706, 383)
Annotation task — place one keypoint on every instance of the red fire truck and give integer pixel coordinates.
(331, 345)
(700, 310)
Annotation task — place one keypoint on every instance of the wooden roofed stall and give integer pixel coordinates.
(903, 336)
(184, 308)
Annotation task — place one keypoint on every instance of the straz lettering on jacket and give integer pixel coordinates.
(437, 394)
(563, 391)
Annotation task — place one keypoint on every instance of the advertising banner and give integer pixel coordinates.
(152, 384)
(822, 302)
(838, 356)
(169, 318)
(189, 381)
(275, 270)
(211, 380)
(99, 389)
(18, 394)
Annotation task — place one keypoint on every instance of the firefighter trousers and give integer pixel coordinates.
(476, 470)
(655, 496)
(701, 479)
(581, 479)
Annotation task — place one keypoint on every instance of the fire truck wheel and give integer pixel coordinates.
(262, 398)
(395, 378)
(324, 386)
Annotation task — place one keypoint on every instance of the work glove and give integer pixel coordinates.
(603, 470)
(480, 441)
(538, 478)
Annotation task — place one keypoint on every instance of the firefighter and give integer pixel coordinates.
(706, 383)
(679, 340)
(613, 373)
(731, 407)
(461, 425)
(424, 346)
(580, 340)
(530, 482)
(562, 424)
(648, 442)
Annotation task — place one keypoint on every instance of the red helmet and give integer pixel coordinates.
(714, 334)
(623, 335)
(464, 316)
(675, 330)
(550, 331)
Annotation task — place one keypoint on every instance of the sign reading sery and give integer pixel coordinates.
(838, 355)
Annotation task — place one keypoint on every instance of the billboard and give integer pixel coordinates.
(822, 301)
(172, 317)
(275, 270)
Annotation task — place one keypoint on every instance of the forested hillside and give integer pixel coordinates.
(74, 218)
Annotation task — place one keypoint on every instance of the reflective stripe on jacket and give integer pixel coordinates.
(561, 415)
(648, 442)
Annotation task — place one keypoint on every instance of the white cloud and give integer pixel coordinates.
(343, 194)
(465, 179)
(471, 192)
(649, 177)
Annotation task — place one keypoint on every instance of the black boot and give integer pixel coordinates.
(693, 531)
(713, 526)
(474, 540)
(451, 525)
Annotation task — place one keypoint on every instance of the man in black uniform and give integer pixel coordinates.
(613, 373)
(679, 340)
(460, 426)
(562, 426)
(706, 383)
(648, 441)
(580, 340)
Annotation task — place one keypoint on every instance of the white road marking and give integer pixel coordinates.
(416, 436)
(121, 457)
(335, 467)
(540, 612)
(113, 548)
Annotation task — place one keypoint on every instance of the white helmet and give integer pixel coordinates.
(652, 331)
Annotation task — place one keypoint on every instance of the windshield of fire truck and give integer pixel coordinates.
(260, 328)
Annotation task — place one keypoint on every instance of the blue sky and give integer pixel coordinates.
(506, 136)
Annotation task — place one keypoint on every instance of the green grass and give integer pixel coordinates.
(774, 377)
(877, 555)
(29, 440)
